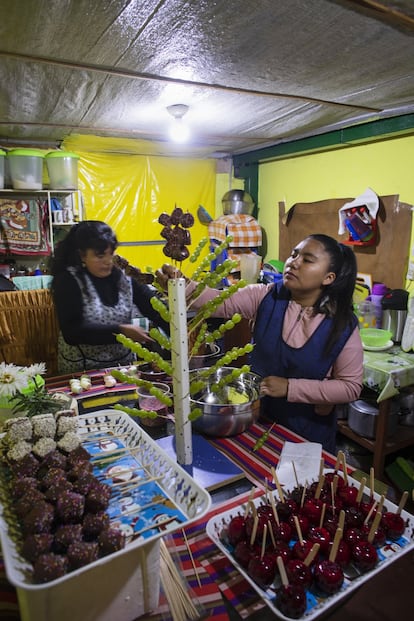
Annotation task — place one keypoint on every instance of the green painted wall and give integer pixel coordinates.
(385, 166)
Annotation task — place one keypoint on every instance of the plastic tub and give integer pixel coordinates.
(2, 161)
(26, 168)
(374, 337)
(62, 167)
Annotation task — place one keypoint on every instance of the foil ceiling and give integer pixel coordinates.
(254, 73)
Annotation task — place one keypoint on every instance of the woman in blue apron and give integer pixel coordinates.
(307, 346)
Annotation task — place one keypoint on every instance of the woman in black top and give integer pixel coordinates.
(95, 300)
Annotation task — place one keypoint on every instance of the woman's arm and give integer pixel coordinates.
(142, 295)
(245, 301)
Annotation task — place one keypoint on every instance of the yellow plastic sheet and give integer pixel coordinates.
(129, 191)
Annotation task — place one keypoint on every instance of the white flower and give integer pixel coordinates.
(12, 379)
(36, 369)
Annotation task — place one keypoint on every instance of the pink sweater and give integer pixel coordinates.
(343, 382)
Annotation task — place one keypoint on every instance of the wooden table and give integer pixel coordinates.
(224, 593)
(385, 373)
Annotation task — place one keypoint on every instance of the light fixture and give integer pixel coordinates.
(178, 131)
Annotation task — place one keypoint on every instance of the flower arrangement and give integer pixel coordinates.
(23, 391)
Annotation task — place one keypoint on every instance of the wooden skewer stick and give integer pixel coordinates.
(298, 530)
(319, 487)
(134, 483)
(402, 502)
(371, 481)
(282, 571)
(250, 503)
(321, 467)
(338, 461)
(335, 544)
(254, 529)
(271, 533)
(370, 512)
(295, 473)
(322, 515)
(302, 500)
(140, 508)
(333, 497)
(264, 541)
(181, 605)
(275, 513)
(361, 489)
(344, 467)
(335, 483)
(312, 554)
(374, 526)
(187, 545)
(277, 483)
(156, 526)
(341, 520)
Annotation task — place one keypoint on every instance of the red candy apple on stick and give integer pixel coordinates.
(393, 523)
(236, 530)
(364, 553)
(290, 598)
(262, 568)
(299, 572)
(376, 535)
(301, 548)
(328, 574)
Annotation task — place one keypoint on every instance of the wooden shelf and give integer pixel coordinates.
(403, 437)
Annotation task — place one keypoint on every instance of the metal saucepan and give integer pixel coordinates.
(222, 415)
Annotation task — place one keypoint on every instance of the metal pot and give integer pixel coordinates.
(207, 360)
(221, 418)
(362, 418)
(237, 201)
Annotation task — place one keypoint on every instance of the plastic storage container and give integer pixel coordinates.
(62, 167)
(378, 292)
(2, 166)
(26, 168)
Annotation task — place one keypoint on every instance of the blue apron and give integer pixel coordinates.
(272, 356)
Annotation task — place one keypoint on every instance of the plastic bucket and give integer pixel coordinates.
(26, 168)
(62, 168)
(2, 166)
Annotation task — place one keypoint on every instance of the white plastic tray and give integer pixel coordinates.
(316, 605)
(190, 500)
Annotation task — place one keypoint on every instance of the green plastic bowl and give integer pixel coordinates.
(374, 337)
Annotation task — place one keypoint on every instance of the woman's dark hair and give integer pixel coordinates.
(87, 235)
(336, 299)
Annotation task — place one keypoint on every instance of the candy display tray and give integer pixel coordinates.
(125, 584)
(316, 604)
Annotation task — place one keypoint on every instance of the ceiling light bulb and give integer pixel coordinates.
(178, 131)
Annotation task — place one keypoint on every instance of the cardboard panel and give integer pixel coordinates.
(387, 261)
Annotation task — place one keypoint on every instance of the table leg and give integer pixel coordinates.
(380, 437)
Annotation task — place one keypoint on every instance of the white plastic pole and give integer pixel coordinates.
(179, 359)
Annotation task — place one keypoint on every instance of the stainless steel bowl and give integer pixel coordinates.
(221, 418)
(207, 359)
(237, 201)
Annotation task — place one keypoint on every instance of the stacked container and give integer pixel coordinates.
(62, 167)
(26, 168)
(2, 162)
